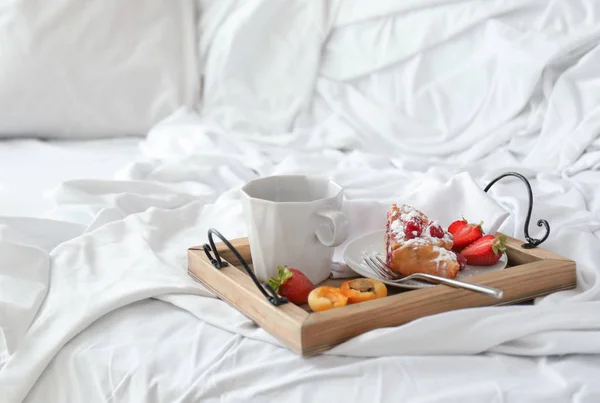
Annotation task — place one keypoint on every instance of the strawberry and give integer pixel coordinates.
(456, 225)
(485, 251)
(292, 284)
(464, 233)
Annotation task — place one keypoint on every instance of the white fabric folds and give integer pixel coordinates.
(401, 101)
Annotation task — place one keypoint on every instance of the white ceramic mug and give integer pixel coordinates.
(294, 220)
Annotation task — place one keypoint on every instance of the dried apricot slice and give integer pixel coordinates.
(326, 297)
(363, 289)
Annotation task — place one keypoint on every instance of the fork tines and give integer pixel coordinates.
(378, 266)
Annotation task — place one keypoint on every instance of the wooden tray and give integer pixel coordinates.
(530, 273)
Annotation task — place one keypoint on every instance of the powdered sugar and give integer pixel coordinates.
(409, 213)
(368, 252)
(416, 242)
(446, 238)
(397, 226)
(443, 256)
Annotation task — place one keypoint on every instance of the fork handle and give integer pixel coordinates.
(491, 291)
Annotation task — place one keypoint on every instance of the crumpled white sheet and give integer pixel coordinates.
(488, 76)
(31, 167)
(119, 261)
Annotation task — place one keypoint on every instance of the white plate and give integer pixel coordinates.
(358, 248)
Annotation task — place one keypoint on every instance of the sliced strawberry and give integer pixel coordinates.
(485, 251)
(456, 225)
(464, 233)
(292, 284)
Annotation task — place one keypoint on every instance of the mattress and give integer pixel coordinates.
(30, 169)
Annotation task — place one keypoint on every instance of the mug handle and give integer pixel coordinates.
(340, 228)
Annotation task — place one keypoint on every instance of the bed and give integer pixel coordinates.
(386, 99)
(42, 165)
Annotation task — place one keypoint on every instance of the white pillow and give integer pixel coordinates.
(94, 68)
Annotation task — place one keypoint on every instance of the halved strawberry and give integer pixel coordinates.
(464, 233)
(485, 251)
(292, 284)
(456, 225)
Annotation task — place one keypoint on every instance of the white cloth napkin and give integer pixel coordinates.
(442, 201)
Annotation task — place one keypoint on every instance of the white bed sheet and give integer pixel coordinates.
(108, 313)
(30, 169)
(153, 352)
(140, 331)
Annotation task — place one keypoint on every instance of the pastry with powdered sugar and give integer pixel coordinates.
(416, 244)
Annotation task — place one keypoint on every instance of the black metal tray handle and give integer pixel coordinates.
(216, 261)
(275, 299)
(531, 242)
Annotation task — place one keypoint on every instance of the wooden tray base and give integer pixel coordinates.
(530, 273)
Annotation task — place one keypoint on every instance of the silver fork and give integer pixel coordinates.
(378, 266)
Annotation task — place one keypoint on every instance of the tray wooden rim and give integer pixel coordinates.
(309, 333)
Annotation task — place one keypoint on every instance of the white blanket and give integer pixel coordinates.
(421, 91)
